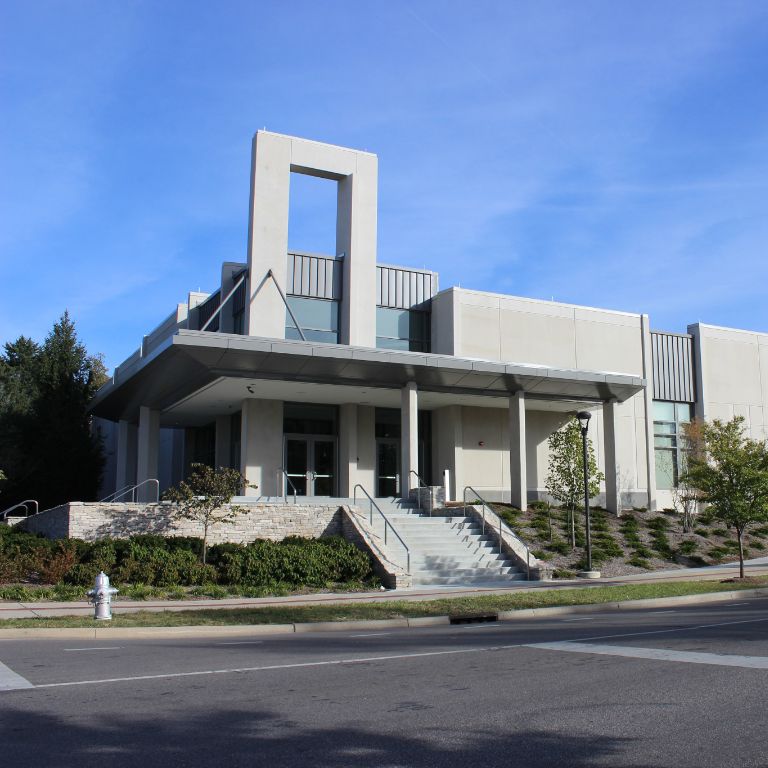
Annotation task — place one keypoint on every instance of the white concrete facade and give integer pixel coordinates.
(478, 393)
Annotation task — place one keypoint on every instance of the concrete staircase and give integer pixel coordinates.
(448, 551)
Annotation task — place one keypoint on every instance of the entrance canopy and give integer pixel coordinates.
(193, 374)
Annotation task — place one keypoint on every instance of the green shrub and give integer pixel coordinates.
(560, 546)
(563, 573)
(638, 562)
(688, 547)
(720, 532)
(643, 551)
(758, 545)
(702, 532)
(540, 554)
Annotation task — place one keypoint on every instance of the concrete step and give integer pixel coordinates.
(460, 580)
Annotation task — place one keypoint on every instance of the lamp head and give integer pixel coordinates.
(584, 417)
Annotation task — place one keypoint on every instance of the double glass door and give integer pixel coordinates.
(310, 463)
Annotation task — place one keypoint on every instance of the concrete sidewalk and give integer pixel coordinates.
(27, 610)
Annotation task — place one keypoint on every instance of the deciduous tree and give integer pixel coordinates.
(205, 496)
(565, 477)
(731, 472)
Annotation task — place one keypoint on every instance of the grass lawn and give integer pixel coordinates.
(395, 609)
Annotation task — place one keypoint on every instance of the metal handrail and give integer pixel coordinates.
(24, 503)
(387, 524)
(283, 473)
(113, 497)
(485, 505)
(422, 484)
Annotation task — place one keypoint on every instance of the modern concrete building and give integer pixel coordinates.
(313, 374)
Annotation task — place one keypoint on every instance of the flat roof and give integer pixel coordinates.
(189, 361)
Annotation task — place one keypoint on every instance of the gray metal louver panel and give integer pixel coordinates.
(402, 288)
(314, 276)
(673, 371)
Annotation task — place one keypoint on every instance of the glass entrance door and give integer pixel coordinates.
(387, 467)
(310, 463)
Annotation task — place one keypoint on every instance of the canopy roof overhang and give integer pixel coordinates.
(192, 373)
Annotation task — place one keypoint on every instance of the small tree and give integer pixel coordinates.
(731, 472)
(565, 478)
(204, 497)
(685, 496)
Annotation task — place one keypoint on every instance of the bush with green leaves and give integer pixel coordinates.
(155, 561)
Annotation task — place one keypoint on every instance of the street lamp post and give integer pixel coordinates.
(584, 417)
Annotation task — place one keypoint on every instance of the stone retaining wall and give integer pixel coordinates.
(95, 520)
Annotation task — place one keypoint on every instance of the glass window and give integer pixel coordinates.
(663, 411)
(666, 470)
(668, 431)
(318, 318)
(404, 329)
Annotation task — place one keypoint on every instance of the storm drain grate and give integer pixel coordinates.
(474, 618)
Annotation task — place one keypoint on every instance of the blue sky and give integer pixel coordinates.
(613, 154)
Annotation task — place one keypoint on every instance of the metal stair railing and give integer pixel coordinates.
(502, 526)
(387, 524)
(118, 495)
(21, 504)
(282, 473)
(422, 484)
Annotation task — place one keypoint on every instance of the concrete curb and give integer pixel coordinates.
(251, 630)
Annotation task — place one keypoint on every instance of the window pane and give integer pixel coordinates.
(664, 428)
(384, 343)
(665, 470)
(663, 411)
(684, 413)
(660, 441)
(314, 313)
(392, 323)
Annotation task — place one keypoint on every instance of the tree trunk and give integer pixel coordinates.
(205, 543)
(740, 533)
(573, 527)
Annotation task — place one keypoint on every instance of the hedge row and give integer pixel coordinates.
(164, 561)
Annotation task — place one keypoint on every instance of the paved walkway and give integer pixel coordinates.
(16, 610)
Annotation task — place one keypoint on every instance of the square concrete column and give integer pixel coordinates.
(148, 452)
(448, 448)
(223, 446)
(650, 456)
(261, 446)
(348, 453)
(517, 466)
(126, 455)
(610, 424)
(409, 437)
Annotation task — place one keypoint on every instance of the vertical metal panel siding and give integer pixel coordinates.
(673, 372)
(403, 288)
(316, 277)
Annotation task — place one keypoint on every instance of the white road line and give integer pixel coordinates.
(298, 665)
(483, 626)
(581, 618)
(657, 654)
(103, 648)
(659, 613)
(242, 642)
(373, 634)
(370, 659)
(733, 605)
(10, 681)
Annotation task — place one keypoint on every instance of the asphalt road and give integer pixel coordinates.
(678, 687)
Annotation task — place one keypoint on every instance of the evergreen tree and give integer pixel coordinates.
(47, 448)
